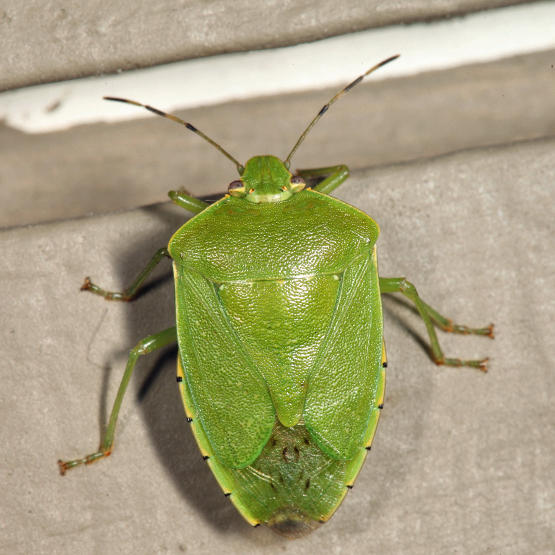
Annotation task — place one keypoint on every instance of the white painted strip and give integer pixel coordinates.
(479, 37)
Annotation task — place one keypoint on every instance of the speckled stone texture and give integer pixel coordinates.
(101, 168)
(462, 462)
(46, 40)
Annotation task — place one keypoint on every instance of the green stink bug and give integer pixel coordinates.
(281, 363)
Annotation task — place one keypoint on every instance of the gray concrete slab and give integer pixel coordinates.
(462, 461)
(98, 168)
(44, 41)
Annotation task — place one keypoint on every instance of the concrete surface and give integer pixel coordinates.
(45, 41)
(462, 461)
(98, 168)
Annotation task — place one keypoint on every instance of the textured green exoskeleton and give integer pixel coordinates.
(281, 360)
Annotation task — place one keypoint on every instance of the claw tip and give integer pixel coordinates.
(86, 284)
(62, 467)
(491, 334)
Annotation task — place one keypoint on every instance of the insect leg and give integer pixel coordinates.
(333, 177)
(431, 316)
(130, 292)
(446, 324)
(144, 347)
(188, 202)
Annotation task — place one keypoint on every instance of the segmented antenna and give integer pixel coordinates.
(240, 167)
(326, 106)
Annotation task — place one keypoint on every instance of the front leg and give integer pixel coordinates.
(333, 176)
(188, 202)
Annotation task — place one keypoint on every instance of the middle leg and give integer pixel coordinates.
(430, 316)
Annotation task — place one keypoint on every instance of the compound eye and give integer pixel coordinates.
(297, 183)
(236, 188)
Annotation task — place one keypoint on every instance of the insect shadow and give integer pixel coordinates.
(154, 381)
(388, 302)
(156, 392)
